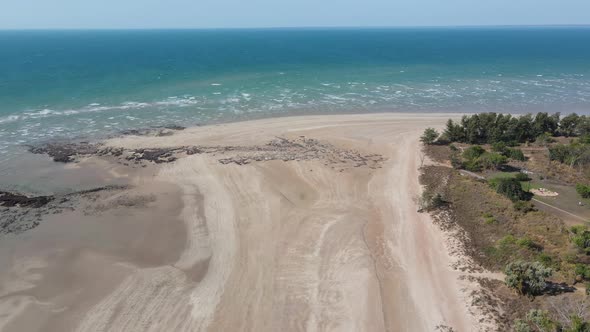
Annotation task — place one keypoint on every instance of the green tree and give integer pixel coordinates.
(526, 277)
(429, 137)
(568, 125)
(545, 123)
(511, 188)
(454, 132)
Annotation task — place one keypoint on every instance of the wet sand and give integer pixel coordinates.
(316, 231)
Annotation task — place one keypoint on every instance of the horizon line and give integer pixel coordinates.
(304, 27)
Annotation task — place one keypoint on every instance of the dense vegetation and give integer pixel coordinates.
(489, 128)
(530, 245)
(537, 320)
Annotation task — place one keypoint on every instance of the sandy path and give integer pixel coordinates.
(298, 245)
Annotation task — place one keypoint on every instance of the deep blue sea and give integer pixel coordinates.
(60, 84)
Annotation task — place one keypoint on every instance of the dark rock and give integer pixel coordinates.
(11, 199)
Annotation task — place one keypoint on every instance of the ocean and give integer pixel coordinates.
(89, 84)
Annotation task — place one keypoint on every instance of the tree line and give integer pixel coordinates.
(488, 128)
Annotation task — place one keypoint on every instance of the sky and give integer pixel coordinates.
(155, 14)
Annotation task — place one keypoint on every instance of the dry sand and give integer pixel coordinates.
(314, 244)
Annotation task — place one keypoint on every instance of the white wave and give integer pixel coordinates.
(10, 118)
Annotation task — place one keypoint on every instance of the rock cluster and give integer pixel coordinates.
(280, 148)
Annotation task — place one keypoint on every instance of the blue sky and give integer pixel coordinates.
(39, 14)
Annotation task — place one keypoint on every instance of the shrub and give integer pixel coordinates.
(526, 277)
(512, 189)
(583, 190)
(489, 219)
(429, 137)
(522, 177)
(583, 271)
(472, 166)
(516, 154)
(429, 201)
(581, 238)
(500, 147)
(473, 152)
(490, 160)
(578, 325)
(507, 240)
(545, 259)
(528, 243)
(437, 201)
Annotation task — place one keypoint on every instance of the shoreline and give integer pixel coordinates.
(315, 215)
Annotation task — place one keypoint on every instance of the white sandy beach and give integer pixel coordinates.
(309, 244)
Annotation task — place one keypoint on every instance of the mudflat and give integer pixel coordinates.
(284, 224)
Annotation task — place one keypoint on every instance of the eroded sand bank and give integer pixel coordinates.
(328, 240)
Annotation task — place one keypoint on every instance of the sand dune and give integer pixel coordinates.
(329, 241)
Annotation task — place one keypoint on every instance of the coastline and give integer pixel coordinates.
(309, 220)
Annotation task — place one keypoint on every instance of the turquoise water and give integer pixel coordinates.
(56, 84)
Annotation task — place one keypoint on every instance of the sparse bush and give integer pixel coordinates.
(544, 139)
(540, 319)
(527, 243)
(507, 240)
(526, 277)
(430, 201)
(578, 325)
(437, 201)
(524, 207)
(456, 161)
(429, 137)
(489, 218)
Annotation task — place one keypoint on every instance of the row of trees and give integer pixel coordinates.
(487, 128)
